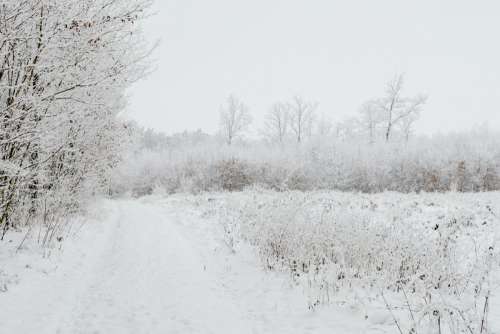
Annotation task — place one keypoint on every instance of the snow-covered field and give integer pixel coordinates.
(224, 263)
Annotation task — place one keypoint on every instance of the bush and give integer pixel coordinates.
(433, 253)
(231, 175)
(465, 163)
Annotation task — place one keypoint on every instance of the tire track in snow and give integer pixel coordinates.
(150, 280)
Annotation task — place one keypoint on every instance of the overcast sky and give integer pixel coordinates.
(339, 53)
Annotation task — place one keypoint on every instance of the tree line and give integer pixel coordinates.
(382, 119)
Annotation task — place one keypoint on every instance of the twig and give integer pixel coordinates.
(409, 308)
(392, 314)
(485, 311)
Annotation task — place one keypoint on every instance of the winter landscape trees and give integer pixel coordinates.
(302, 117)
(395, 109)
(277, 122)
(374, 150)
(234, 119)
(64, 66)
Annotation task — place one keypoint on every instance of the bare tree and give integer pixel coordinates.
(234, 119)
(324, 126)
(395, 108)
(277, 122)
(302, 115)
(370, 119)
(348, 129)
(412, 116)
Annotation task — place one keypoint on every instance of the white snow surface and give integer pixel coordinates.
(155, 265)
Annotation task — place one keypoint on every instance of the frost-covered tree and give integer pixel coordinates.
(302, 116)
(64, 67)
(413, 114)
(371, 120)
(234, 120)
(395, 108)
(348, 130)
(277, 122)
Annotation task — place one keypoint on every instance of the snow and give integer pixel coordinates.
(158, 265)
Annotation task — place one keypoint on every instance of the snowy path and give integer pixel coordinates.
(152, 267)
(145, 278)
(150, 280)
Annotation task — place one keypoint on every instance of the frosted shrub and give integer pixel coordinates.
(271, 176)
(429, 264)
(200, 162)
(231, 175)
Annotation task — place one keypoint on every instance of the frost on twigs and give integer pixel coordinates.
(64, 68)
(430, 265)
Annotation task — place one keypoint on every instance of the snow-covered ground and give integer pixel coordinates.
(159, 265)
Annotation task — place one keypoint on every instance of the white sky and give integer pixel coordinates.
(339, 53)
